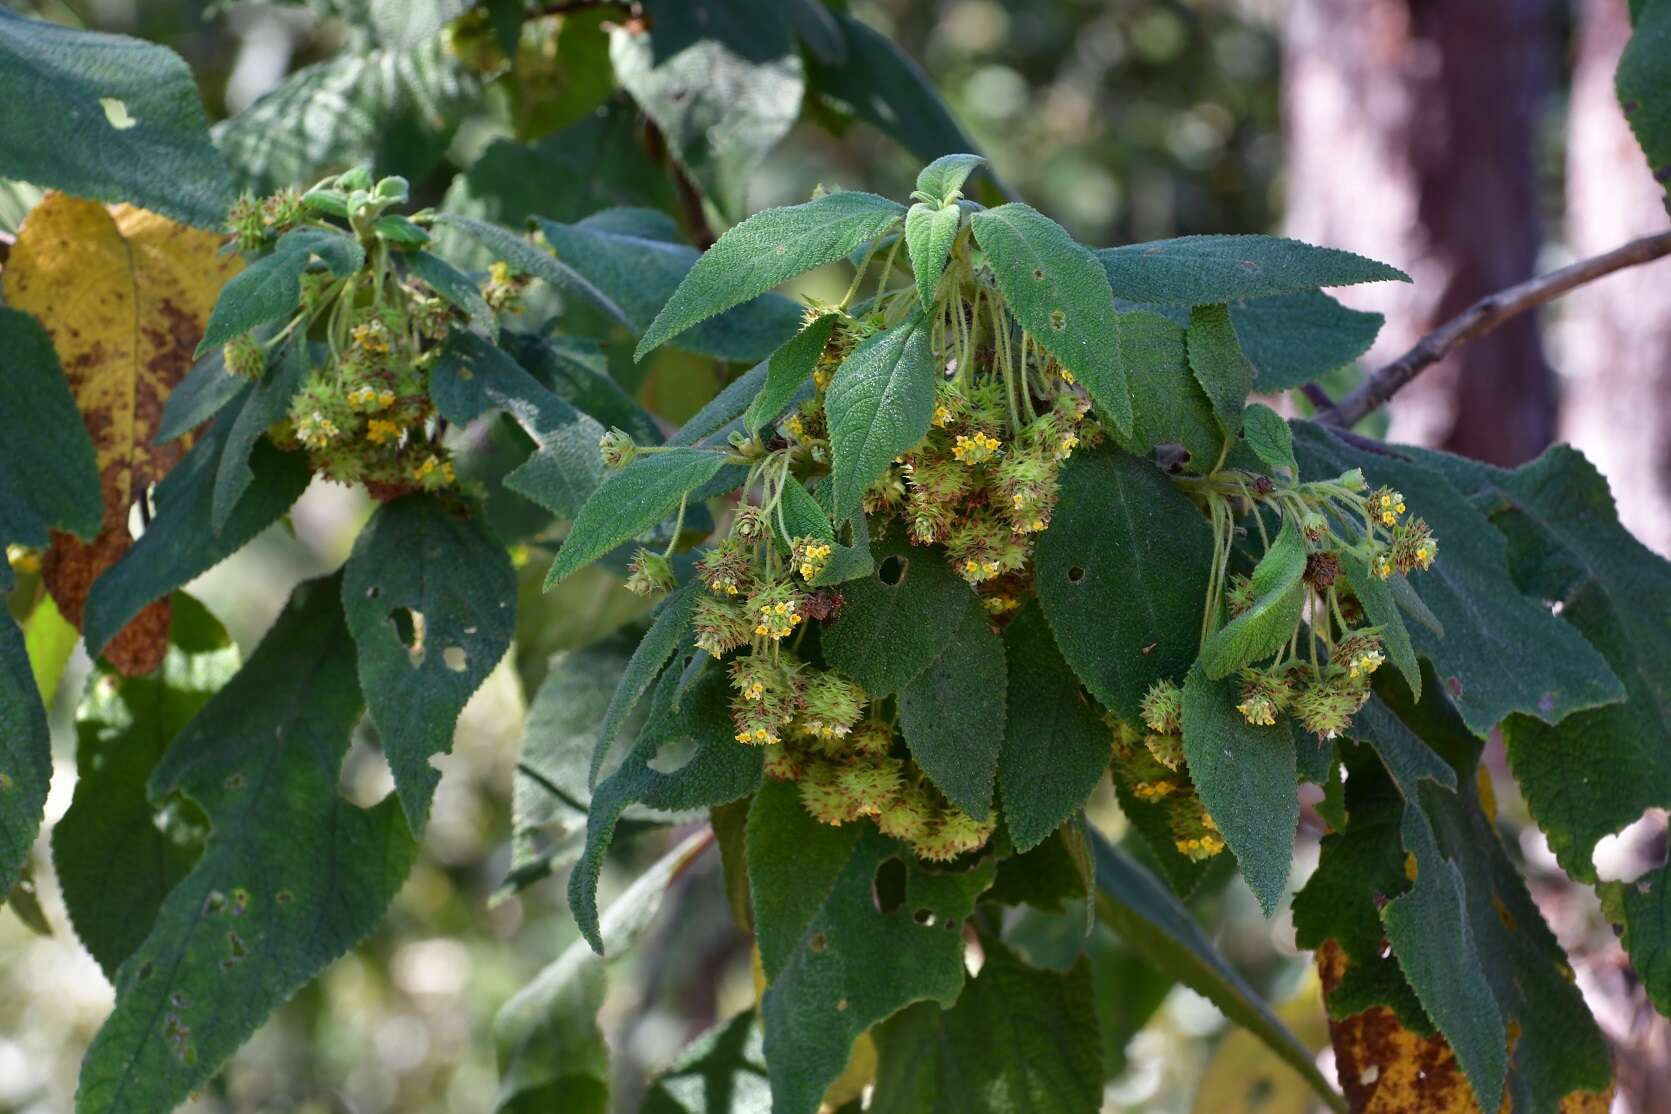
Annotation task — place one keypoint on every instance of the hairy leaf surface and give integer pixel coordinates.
(880, 403)
(897, 621)
(1202, 270)
(952, 715)
(842, 963)
(431, 599)
(291, 877)
(1018, 1041)
(1122, 572)
(1056, 744)
(640, 273)
(1487, 622)
(929, 234)
(47, 474)
(1061, 296)
(787, 372)
(630, 501)
(108, 117)
(766, 250)
(1246, 777)
(1216, 358)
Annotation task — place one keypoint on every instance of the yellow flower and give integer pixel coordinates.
(372, 336)
(499, 273)
(1067, 377)
(1065, 447)
(316, 431)
(379, 431)
(1383, 566)
(1362, 665)
(977, 449)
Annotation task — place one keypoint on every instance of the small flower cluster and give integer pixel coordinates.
(981, 499)
(1150, 764)
(363, 414)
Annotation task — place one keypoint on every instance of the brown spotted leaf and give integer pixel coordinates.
(124, 294)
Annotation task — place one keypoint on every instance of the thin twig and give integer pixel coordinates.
(1484, 316)
(1317, 396)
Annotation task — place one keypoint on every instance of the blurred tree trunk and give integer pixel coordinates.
(1615, 344)
(1410, 128)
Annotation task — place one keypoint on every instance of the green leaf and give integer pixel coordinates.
(719, 770)
(431, 599)
(108, 117)
(788, 371)
(205, 390)
(1487, 622)
(1267, 435)
(1157, 927)
(818, 30)
(1055, 742)
(1060, 295)
(943, 178)
(1470, 939)
(670, 629)
(522, 256)
(565, 470)
(1295, 338)
(841, 964)
(1204, 270)
(1565, 544)
(929, 234)
(455, 287)
(880, 403)
(1169, 406)
(1018, 1041)
(264, 406)
(1219, 365)
(896, 622)
(50, 640)
(48, 477)
(116, 854)
(341, 253)
(952, 715)
(767, 249)
(1643, 82)
(885, 87)
(552, 1053)
(722, 81)
(1266, 626)
(180, 543)
(268, 290)
(1122, 572)
(291, 877)
(631, 501)
(1246, 777)
(724, 1070)
(391, 106)
(25, 749)
(639, 274)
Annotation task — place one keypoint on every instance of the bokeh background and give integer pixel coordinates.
(1472, 143)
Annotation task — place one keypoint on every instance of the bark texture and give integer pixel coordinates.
(1411, 127)
(1614, 341)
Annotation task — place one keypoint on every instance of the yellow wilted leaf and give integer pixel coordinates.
(1384, 1068)
(125, 294)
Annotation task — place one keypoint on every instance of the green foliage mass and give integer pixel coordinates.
(912, 565)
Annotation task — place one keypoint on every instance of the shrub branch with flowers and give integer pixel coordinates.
(950, 566)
